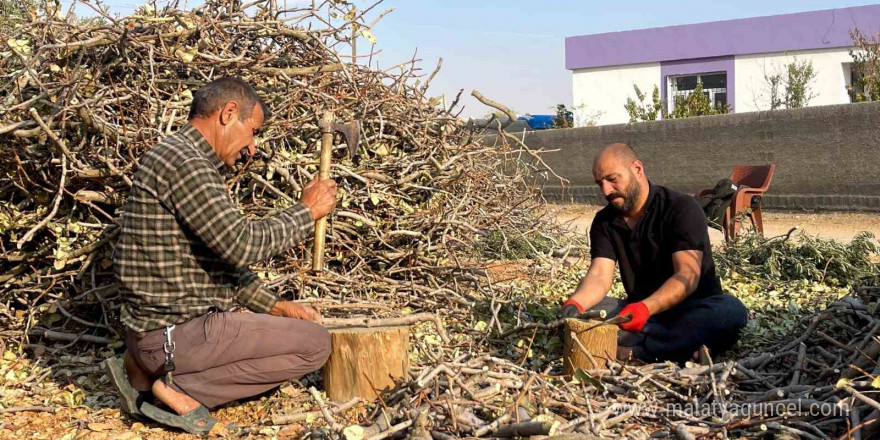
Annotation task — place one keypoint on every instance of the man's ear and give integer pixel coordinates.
(229, 111)
(639, 167)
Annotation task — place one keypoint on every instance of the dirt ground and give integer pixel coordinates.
(841, 226)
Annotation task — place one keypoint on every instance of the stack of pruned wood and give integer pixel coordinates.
(82, 98)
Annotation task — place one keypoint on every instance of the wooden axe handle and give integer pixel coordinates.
(324, 173)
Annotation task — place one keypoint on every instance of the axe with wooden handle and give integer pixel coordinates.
(350, 131)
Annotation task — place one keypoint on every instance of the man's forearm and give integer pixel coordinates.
(252, 294)
(290, 309)
(589, 293)
(672, 292)
(277, 309)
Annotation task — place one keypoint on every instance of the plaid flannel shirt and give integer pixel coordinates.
(184, 245)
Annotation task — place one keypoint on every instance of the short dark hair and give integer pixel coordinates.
(214, 95)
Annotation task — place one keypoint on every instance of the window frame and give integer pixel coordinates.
(671, 92)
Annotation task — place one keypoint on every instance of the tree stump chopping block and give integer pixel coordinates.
(363, 359)
(599, 340)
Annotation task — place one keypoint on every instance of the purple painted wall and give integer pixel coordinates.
(777, 33)
(700, 65)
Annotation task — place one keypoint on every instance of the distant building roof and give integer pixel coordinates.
(776, 33)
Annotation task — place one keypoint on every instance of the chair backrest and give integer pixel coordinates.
(753, 176)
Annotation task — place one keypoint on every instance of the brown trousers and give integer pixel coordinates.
(221, 357)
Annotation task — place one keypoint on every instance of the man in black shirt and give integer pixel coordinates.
(660, 240)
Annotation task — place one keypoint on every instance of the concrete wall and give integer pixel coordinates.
(601, 92)
(826, 157)
(832, 68)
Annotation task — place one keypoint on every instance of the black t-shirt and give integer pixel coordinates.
(671, 222)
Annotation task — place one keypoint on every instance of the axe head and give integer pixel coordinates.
(351, 132)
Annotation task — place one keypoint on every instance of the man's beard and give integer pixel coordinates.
(630, 196)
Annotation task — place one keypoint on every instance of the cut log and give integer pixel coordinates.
(863, 362)
(365, 361)
(526, 429)
(600, 341)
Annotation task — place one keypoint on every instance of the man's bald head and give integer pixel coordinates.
(622, 153)
(621, 177)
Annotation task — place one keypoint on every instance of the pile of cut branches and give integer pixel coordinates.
(82, 99)
(801, 257)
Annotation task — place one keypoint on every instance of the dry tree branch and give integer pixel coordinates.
(57, 203)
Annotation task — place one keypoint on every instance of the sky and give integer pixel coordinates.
(513, 51)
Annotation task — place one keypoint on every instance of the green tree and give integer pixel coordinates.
(640, 111)
(866, 67)
(793, 88)
(564, 117)
(695, 104)
(774, 81)
(798, 91)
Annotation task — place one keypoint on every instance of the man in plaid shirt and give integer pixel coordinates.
(181, 262)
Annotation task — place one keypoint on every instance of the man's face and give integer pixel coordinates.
(618, 183)
(238, 135)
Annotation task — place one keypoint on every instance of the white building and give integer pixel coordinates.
(731, 58)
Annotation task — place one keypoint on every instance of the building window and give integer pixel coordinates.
(714, 86)
(855, 83)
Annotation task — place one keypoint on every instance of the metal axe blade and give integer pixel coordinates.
(351, 132)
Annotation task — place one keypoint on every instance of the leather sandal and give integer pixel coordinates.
(130, 398)
(197, 421)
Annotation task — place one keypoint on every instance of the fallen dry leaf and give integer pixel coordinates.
(290, 391)
(218, 430)
(99, 427)
(290, 431)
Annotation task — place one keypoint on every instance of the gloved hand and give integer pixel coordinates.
(570, 309)
(640, 314)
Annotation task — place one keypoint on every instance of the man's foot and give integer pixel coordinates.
(177, 401)
(137, 377)
(192, 416)
(129, 398)
(197, 421)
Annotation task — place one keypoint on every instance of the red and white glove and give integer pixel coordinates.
(640, 314)
(571, 308)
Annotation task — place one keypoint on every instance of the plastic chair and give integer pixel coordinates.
(753, 181)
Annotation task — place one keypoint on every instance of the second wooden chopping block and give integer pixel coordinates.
(599, 340)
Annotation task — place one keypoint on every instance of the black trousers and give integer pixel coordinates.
(675, 334)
